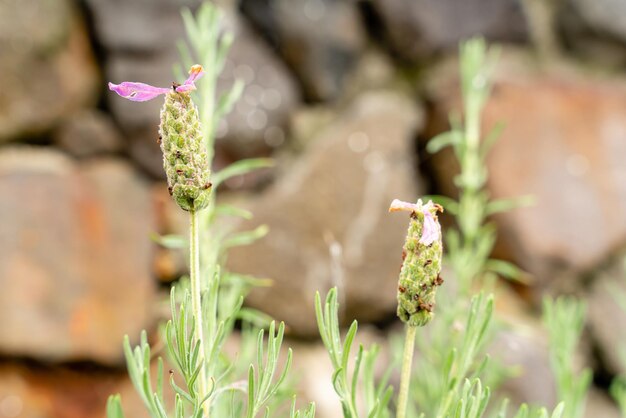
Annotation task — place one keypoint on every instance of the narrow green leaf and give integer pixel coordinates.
(506, 269)
(246, 237)
(347, 345)
(171, 241)
(180, 391)
(443, 140)
(228, 99)
(506, 205)
(241, 167)
(230, 210)
(114, 407)
(251, 393)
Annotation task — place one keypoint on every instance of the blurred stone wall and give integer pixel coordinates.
(344, 95)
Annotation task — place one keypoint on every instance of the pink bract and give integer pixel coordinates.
(141, 92)
(431, 229)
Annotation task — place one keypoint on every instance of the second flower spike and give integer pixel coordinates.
(421, 262)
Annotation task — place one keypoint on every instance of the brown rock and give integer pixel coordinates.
(74, 256)
(561, 144)
(328, 218)
(47, 68)
(68, 392)
(53, 392)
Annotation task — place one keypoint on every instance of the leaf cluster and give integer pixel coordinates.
(565, 318)
(348, 378)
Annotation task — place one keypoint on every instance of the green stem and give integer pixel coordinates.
(196, 303)
(405, 380)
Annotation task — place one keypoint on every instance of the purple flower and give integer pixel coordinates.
(431, 229)
(141, 92)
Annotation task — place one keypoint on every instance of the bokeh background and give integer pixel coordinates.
(344, 94)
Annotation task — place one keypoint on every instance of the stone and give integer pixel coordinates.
(47, 67)
(321, 59)
(75, 257)
(69, 392)
(594, 29)
(561, 144)
(599, 404)
(418, 29)
(53, 392)
(140, 26)
(88, 133)
(607, 313)
(258, 121)
(328, 216)
(523, 347)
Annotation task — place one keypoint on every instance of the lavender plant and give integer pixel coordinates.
(451, 358)
(448, 379)
(204, 310)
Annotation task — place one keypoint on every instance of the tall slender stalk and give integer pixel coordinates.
(196, 303)
(407, 361)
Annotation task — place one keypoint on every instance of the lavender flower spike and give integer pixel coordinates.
(185, 158)
(421, 262)
(141, 92)
(431, 229)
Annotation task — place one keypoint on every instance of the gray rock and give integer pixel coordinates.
(595, 30)
(607, 316)
(74, 257)
(139, 26)
(47, 68)
(328, 217)
(599, 404)
(258, 121)
(524, 348)
(321, 40)
(420, 28)
(606, 17)
(88, 133)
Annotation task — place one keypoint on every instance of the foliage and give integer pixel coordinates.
(618, 385)
(346, 384)
(565, 318)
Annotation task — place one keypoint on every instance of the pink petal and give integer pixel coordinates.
(137, 92)
(195, 73)
(430, 231)
(398, 205)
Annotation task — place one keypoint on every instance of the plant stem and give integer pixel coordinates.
(196, 303)
(405, 379)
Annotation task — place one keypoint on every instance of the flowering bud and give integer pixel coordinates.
(184, 155)
(421, 262)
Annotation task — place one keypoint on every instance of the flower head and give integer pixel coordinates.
(421, 262)
(185, 158)
(431, 229)
(141, 92)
